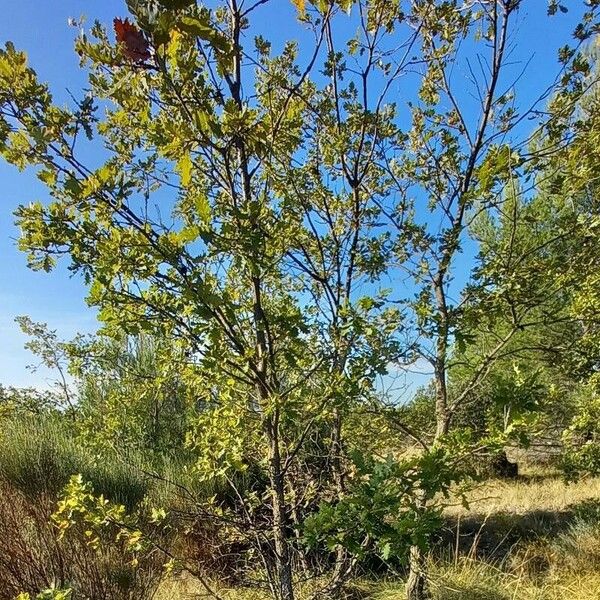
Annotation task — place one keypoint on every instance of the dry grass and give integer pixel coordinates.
(187, 588)
(472, 580)
(560, 564)
(467, 580)
(530, 493)
(475, 580)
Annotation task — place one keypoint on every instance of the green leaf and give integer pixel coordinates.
(203, 29)
(386, 551)
(184, 167)
(203, 208)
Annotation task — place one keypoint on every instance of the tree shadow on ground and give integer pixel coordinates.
(493, 536)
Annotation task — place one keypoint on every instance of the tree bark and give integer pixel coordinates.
(442, 414)
(416, 588)
(283, 559)
(343, 563)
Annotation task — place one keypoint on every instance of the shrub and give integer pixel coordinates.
(39, 455)
(33, 558)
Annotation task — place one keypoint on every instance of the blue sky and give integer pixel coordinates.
(40, 28)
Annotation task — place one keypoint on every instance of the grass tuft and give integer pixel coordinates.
(38, 456)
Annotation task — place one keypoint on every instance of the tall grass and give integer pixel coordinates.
(39, 455)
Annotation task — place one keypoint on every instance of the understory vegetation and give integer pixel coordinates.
(535, 537)
(275, 233)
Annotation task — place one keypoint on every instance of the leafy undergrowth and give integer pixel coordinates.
(546, 540)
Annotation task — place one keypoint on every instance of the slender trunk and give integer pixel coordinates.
(283, 559)
(442, 418)
(416, 588)
(341, 571)
(416, 584)
(279, 506)
(296, 522)
(442, 414)
(336, 452)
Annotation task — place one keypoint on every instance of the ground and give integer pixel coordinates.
(533, 538)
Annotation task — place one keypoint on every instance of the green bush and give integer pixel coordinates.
(39, 455)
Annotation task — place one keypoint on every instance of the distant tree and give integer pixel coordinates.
(53, 354)
(132, 394)
(18, 402)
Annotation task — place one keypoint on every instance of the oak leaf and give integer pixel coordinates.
(135, 45)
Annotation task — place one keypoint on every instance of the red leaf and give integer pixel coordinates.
(135, 45)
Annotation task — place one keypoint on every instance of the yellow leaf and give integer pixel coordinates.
(300, 5)
(184, 166)
(173, 47)
(203, 208)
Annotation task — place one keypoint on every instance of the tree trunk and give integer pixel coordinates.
(342, 568)
(283, 560)
(283, 557)
(296, 523)
(442, 416)
(416, 584)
